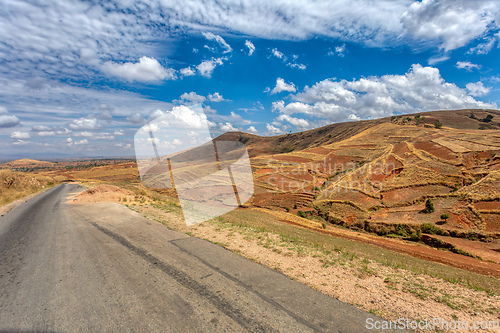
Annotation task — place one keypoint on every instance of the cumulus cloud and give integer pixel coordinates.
(146, 70)
(7, 120)
(227, 127)
(207, 67)
(467, 65)
(299, 123)
(252, 129)
(191, 97)
(420, 89)
(84, 124)
(250, 46)
(222, 43)
(477, 89)
(215, 97)
(81, 142)
(187, 71)
(273, 130)
(20, 135)
(281, 85)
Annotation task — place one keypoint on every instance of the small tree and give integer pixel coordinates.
(445, 217)
(438, 125)
(295, 206)
(429, 207)
(301, 214)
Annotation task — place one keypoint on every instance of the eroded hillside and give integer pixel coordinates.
(382, 177)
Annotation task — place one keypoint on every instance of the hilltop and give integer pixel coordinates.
(26, 163)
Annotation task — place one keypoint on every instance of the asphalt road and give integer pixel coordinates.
(103, 268)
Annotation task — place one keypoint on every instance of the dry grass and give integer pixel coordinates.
(16, 185)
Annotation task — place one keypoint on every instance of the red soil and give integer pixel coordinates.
(263, 171)
(286, 183)
(436, 150)
(487, 205)
(319, 150)
(492, 222)
(409, 194)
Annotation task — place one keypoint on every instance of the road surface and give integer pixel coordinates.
(103, 268)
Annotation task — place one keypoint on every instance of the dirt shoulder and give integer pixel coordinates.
(362, 272)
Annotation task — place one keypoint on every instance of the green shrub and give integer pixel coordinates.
(429, 228)
(445, 216)
(438, 125)
(415, 236)
(429, 207)
(295, 206)
(301, 214)
(287, 209)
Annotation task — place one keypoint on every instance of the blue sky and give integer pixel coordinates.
(79, 78)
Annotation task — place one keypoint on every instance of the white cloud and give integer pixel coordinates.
(477, 89)
(119, 132)
(227, 127)
(272, 130)
(420, 89)
(484, 48)
(192, 97)
(82, 142)
(352, 116)
(84, 124)
(281, 85)
(77, 37)
(46, 133)
(339, 51)
(207, 67)
(299, 123)
(187, 71)
(7, 120)
(215, 97)
(298, 66)
(146, 70)
(278, 54)
(222, 43)
(437, 59)
(136, 118)
(85, 134)
(252, 129)
(251, 47)
(467, 65)
(453, 24)
(20, 135)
